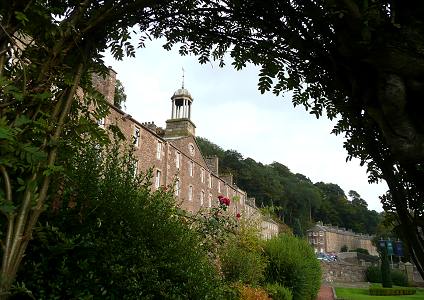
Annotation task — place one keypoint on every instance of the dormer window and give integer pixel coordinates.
(191, 149)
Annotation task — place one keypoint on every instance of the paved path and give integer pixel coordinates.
(325, 293)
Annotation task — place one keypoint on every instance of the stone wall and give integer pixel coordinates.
(341, 272)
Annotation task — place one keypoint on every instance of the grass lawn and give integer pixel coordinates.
(362, 294)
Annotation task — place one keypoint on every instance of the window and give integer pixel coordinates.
(202, 175)
(177, 159)
(219, 186)
(135, 166)
(202, 197)
(210, 200)
(190, 168)
(136, 136)
(101, 122)
(177, 187)
(191, 149)
(190, 193)
(157, 182)
(210, 181)
(158, 150)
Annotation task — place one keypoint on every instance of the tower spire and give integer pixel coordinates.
(182, 86)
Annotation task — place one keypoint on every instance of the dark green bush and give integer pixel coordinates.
(386, 278)
(239, 264)
(113, 238)
(292, 263)
(279, 292)
(399, 278)
(360, 250)
(373, 274)
(380, 291)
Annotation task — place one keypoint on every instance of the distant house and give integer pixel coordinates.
(175, 157)
(328, 238)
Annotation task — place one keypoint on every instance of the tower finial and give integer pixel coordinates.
(182, 86)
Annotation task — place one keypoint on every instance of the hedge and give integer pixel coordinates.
(380, 291)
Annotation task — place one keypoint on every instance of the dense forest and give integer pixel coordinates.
(294, 198)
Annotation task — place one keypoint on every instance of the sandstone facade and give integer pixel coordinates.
(175, 158)
(327, 238)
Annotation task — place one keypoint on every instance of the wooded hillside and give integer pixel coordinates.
(295, 199)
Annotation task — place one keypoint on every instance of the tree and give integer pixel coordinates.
(385, 269)
(112, 237)
(359, 61)
(48, 51)
(120, 97)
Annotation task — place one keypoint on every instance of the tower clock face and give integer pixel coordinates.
(191, 149)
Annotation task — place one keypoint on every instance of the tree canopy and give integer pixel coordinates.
(294, 197)
(359, 61)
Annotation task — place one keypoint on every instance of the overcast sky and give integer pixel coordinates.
(229, 111)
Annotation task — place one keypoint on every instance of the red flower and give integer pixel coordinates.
(238, 215)
(224, 200)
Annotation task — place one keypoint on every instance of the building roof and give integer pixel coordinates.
(182, 93)
(319, 226)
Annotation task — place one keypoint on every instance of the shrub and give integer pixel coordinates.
(360, 250)
(279, 292)
(386, 278)
(380, 291)
(240, 264)
(113, 238)
(292, 263)
(373, 274)
(247, 292)
(399, 278)
(242, 258)
(344, 248)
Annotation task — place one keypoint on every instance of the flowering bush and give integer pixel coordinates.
(215, 225)
(224, 201)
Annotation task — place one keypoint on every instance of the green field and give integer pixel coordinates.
(362, 294)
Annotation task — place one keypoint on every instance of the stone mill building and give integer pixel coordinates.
(175, 157)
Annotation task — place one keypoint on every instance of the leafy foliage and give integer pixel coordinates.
(108, 236)
(292, 264)
(293, 197)
(343, 59)
(120, 97)
(386, 278)
(242, 258)
(279, 292)
(373, 274)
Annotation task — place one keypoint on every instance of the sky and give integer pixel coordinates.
(229, 111)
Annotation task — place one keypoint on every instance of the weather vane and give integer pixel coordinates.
(183, 78)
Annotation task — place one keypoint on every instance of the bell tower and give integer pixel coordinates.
(180, 123)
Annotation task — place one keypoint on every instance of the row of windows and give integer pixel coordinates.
(202, 197)
(178, 157)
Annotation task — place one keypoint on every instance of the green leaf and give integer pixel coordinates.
(6, 133)
(21, 181)
(7, 208)
(22, 120)
(20, 16)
